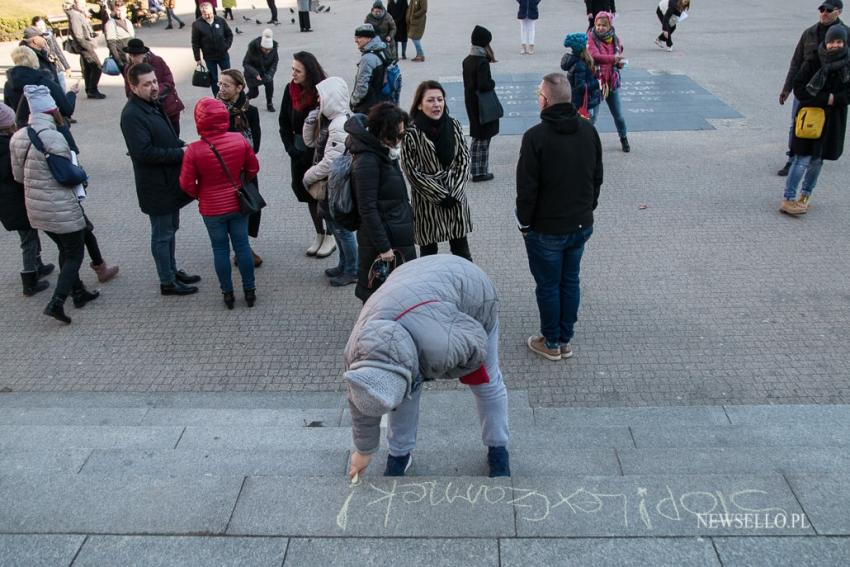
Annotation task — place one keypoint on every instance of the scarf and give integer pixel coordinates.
(607, 37)
(830, 61)
(478, 51)
(238, 110)
(302, 99)
(440, 132)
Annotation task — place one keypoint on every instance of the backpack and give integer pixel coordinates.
(342, 203)
(391, 89)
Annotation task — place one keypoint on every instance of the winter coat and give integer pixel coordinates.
(13, 93)
(46, 62)
(604, 55)
(806, 49)
(430, 183)
(476, 79)
(444, 336)
(213, 40)
(50, 206)
(251, 116)
(385, 27)
(291, 124)
(13, 211)
(156, 153)
(256, 63)
(398, 10)
(57, 53)
(370, 77)
(527, 9)
(83, 35)
(417, 16)
(118, 35)
(202, 176)
(303, 5)
(168, 97)
(559, 172)
(582, 81)
(830, 145)
(669, 14)
(386, 219)
(596, 6)
(333, 94)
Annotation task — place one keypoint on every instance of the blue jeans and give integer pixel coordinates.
(224, 229)
(163, 233)
(417, 43)
(616, 109)
(555, 260)
(170, 13)
(806, 168)
(347, 245)
(491, 401)
(213, 67)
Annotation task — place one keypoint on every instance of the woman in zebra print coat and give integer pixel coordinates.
(435, 161)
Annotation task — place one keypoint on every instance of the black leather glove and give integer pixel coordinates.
(448, 202)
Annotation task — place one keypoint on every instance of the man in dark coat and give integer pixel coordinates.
(211, 36)
(477, 79)
(558, 177)
(806, 49)
(138, 52)
(82, 36)
(398, 10)
(260, 65)
(157, 154)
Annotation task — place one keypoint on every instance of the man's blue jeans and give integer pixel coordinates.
(616, 109)
(417, 43)
(347, 245)
(224, 229)
(213, 67)
(554, 260)
(806, 168)
(163, 233)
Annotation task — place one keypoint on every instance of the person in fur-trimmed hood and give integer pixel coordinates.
(435, 318)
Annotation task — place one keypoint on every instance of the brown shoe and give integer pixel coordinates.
(803, 201)
(419, 58)
(538, 344)
(566, 351)
(792, 208)
(104, 272)
(257, 260)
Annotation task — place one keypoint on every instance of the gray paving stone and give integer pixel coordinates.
(421, 507)
(344, 552)
(46, 460)
(67, 437)
(648, 506)
(829, 415)
(71, 416)
(544, 439)
(725, 460)
(264, 438)
(672, 552)
(826, 499)
(77, 400)
(146, 551)
(38, 550)
(461, 399)
(304, 462)
(613, 417)
(243, 417)
(783, 551)
(466, 416)
(210, 400)
(790, 435)
(63, 503)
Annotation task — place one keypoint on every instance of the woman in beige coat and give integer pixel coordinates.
(417, 13)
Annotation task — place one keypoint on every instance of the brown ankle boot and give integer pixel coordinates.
(257, 260)
(104, 272)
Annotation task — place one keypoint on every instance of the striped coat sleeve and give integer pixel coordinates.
(425, 172)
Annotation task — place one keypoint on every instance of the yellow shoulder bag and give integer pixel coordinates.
(809, 124)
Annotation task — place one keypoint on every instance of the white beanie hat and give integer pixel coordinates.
(266, 42)
(375, 391)
(39, 99)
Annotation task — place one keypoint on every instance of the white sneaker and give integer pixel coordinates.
(317, 242)
(328, 246)
(523, 50)
(531, 49)
(660, 43)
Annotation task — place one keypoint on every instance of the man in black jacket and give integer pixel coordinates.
(211, 36)
(157, 154)
(806, 49)
(558, 177)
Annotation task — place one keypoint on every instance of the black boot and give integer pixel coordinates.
(624, 142)
(81, 295)
(56, 309)
(784, 171)
(31, 283)
(43, 269)
(250, 297)
(229, 300)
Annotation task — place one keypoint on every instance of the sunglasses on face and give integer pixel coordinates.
(823, 9)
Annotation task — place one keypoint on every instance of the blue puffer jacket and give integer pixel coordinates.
(527, 9)
(582, 79)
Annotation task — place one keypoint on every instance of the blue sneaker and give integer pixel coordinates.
(497, 458)
(397, 466)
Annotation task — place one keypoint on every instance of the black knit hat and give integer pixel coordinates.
(481, 36)
(378, 4)
(365, 30)
(834, 4)
(834, 32)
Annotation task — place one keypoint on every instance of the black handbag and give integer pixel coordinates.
(201, 77)
(250, 200)
(70, 45)
(489, 107)
(64, 172)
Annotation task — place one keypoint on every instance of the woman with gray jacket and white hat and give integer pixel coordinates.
(435, 318)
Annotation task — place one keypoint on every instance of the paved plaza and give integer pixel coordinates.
(710, 370)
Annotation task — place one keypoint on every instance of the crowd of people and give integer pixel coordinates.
(405, 175)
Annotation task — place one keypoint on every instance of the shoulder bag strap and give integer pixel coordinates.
(35, 140)
(223, 165)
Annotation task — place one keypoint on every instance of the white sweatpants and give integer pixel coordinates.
(526, 31)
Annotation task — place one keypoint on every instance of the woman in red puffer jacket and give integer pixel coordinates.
(203, 177)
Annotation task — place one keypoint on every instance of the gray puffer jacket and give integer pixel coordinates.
(50, 206)
(428, 321)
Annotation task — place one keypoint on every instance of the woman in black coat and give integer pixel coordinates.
(13, 212)
(386, 218)
(822, 82)
(477, 79)
(398, 10)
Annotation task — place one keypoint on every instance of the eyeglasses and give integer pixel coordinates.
(823, 9)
